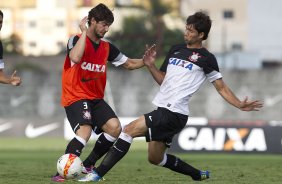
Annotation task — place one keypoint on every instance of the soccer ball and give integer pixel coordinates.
(69, 166)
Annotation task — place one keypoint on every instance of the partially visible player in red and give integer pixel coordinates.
(83, 85)
(13, 79)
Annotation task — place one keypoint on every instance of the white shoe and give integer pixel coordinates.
(92, 176)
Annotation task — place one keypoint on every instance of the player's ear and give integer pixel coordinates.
(201, 35)
(93, 21)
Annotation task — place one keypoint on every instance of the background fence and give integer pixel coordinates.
(33, 109)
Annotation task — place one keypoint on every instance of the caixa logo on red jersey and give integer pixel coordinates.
(222, 139)
(93, 67)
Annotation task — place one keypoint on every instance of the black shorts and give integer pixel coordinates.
(163, 125)
(92, 112)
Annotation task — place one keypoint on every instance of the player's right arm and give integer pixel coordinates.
(77, 51)
(149, 60)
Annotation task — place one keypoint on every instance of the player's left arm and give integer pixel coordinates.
(119, 59)
(132, 64)
(231, 98)
(13, 79)
(3, 78)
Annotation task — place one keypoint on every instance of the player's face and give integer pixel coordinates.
(191, 35)
(1, 22)
(101, 28)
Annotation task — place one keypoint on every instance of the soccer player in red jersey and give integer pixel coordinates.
(83, 84)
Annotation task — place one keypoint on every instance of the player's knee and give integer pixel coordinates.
(114, 130)
(136, 128)
(154, 160)
(128, 129)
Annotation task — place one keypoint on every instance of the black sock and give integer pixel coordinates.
(101, 147)
(116, 153)
(179, 166)
(74, 147)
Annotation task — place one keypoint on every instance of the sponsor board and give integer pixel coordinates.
(199, 135)
(255, 139)
(34, 129)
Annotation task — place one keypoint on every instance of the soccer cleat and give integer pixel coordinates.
(86, 170)
(204, 175)
(58, 178)
(92, 176)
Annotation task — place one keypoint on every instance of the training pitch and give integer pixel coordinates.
(33, 161)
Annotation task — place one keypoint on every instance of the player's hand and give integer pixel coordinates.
(150, 55)
(82, 24)
(250, 105)
(15, 80)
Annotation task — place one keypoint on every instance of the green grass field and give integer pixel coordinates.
(33, 161)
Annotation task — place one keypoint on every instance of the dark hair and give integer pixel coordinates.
(101, 13)
(1, 13)
(201, 22)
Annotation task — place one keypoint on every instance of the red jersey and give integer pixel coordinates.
(87, 79)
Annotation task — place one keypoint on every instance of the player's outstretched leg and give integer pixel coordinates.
(102, 146)
(177, 165)
(115, 153)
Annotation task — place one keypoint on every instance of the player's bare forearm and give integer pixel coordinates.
(156, 73)
(149, 56)
(132, 64)
(3, 78)
(149, 59)
(13, 80)
(77, 51)
(231, 98)
(226, 93)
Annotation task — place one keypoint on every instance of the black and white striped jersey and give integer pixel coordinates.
(186, 69)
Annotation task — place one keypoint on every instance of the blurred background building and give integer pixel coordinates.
(244, 33)
(245, 37)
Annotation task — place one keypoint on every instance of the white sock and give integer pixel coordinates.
(126, 137)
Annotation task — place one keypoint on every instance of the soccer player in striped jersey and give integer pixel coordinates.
(184, 70)
(83, 85)
(13, 79)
